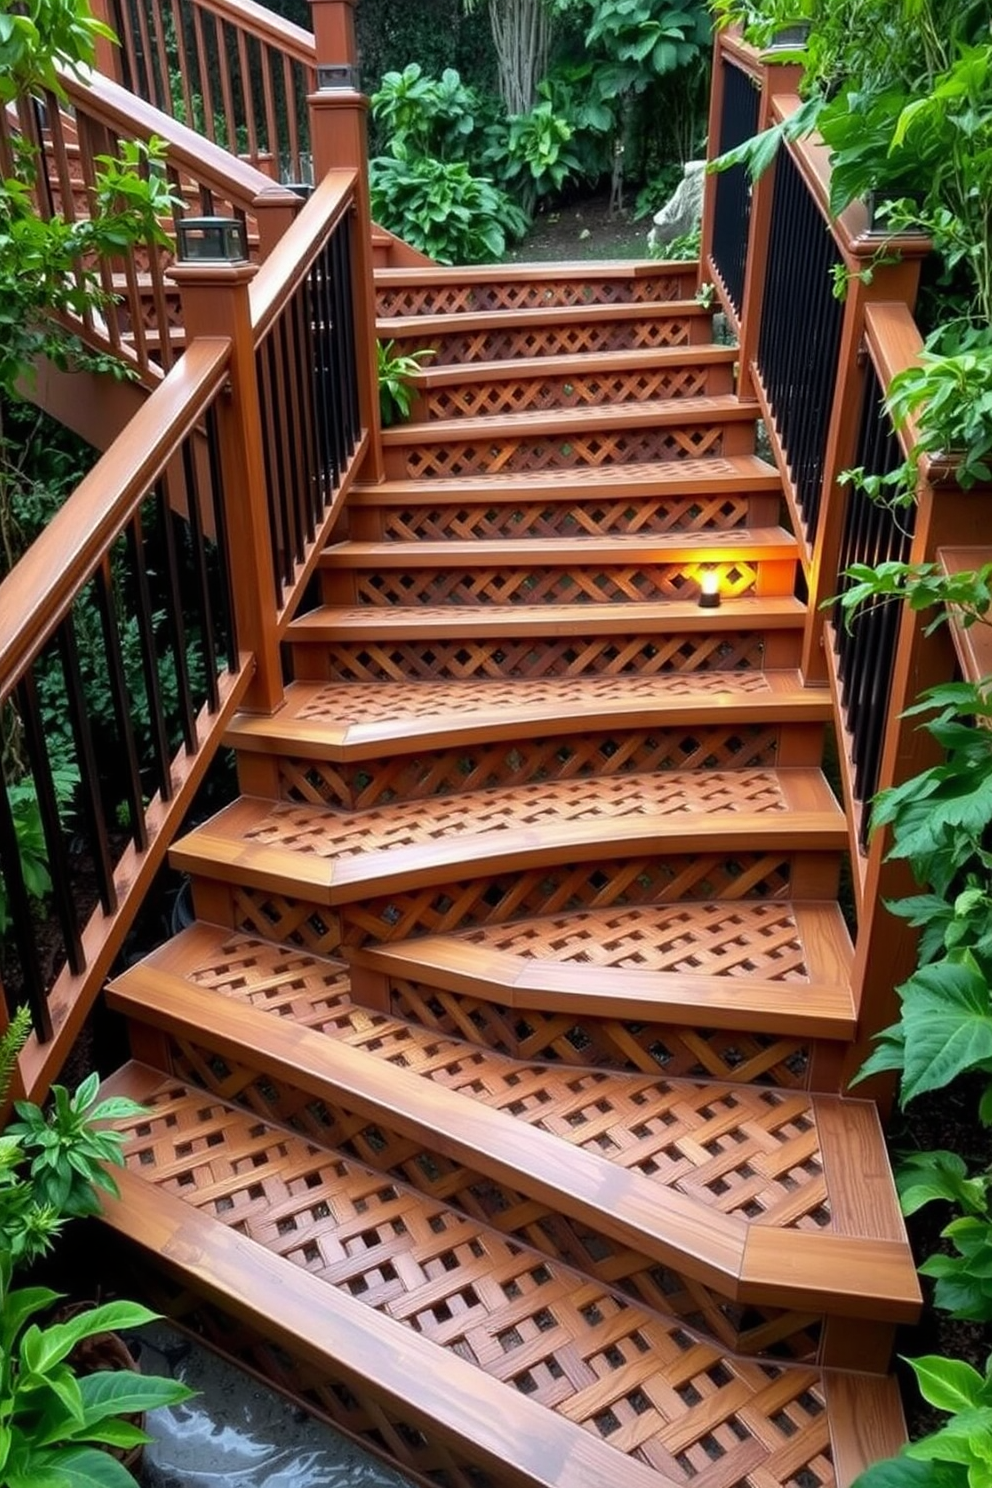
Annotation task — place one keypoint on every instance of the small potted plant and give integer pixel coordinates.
(65, 1418)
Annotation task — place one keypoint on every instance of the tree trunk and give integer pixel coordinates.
(522, 38)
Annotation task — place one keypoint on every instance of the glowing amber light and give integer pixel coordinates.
(709, 589)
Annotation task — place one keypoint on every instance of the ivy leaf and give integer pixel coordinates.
(949, 1384)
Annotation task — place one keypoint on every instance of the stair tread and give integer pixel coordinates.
(578, 268)
(770, 966)
(336, 720)
(422, 327)
(339, 854)
(429, 376)
(654, 412)
(462, 1318)
(712, 1170)
(752, 543)
(730, 473)
(370, 622)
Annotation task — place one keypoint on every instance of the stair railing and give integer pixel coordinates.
(825, 322)
(177, 564)
(229, 69)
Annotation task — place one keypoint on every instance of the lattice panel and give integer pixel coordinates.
(509, 454)
(528, 658)
(496, 343)
(459, 298)
(580, 583)
(575, 389)
(743, 940)
(745, 1151)
(617, 798)
(598, 515)
(378, 782)
(508, 1218)
(610, 1043)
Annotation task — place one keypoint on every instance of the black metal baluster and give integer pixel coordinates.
(21, 923)
(223, 541)
(177, 622)
(732, 200)
(149, 657)
(103, 593)
(51, 822)
(89, 773)
(200, 577)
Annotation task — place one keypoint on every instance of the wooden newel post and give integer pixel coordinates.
(275, 211)
(215, 303)
(339, 138)
(108, 54)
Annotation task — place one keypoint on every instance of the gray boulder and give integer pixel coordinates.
(684, 209)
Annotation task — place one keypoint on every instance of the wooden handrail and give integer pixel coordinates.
(133, 118)
(292, 258)
(38, 593)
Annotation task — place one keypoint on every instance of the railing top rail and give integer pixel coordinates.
(742, 54)
(38, 593)
(295, 41)
(851, 229)
(289, 262)
(210, 164)
(894, 343)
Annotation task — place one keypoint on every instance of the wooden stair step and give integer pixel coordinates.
(755, 544)
(768, 967)
(464, 622)
(587, 379)
(732, 475)
(370, 720)
(435, 1320)
(405, 291)
(337, 857)
(424, 327)
(712, 1181)
(652, 412)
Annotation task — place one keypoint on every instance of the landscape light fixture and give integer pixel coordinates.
(709, 590)
(211, 240)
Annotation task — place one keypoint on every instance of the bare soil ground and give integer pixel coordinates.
(583, 230)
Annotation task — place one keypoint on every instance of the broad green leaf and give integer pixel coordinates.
(80, 1467)
(949, 1384)
(123, 1392)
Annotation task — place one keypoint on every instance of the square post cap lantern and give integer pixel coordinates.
(211, 240)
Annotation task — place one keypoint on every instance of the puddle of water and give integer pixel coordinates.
(239, 1434)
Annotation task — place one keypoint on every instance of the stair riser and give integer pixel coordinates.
(472, 294)
(482, 657)
(280, 912)
(418, 774)
(788, 1062)
(598, 333)
(570, 388)
(506, 452)
(601, 514)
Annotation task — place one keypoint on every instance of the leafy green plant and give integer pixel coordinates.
(396, 370)
(54, 1424)
(425, 115)
(537, 159)
(441, 208)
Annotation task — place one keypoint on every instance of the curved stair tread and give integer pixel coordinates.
(772, 966)
(527, 1368)
(656, 412)
(730, 474)
(342, 855)
(441, 622)
(364, 720)
(701, 1172)
(751, 543)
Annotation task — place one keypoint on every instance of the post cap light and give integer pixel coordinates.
(211, 240)
(709, 590)
(338, 77)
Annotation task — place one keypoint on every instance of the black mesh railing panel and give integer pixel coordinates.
(873, 533)
(799, 339)
(732, 201)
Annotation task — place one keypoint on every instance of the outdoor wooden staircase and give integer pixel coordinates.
(493, 1101)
